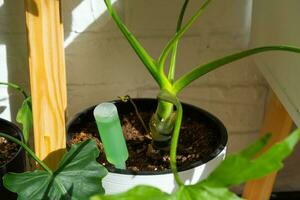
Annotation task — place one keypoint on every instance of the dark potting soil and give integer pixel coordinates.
(8, 150)
(196, 142)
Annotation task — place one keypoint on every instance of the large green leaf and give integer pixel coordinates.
(24, 117)
(201, 70)
(245, 168)
(137, 193)
(204, 192)
(183, 193)
(78, 177)
(234, 170)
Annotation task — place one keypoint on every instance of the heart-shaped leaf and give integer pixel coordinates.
(241, 167)
(78, 177)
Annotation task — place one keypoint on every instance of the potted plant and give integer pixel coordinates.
(79, 176)
(12, 157)
(164, 124)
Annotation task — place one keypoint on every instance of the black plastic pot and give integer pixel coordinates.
(149, 105)
(17, 163)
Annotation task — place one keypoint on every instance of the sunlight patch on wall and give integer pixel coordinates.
(85, 14)
(4, 96)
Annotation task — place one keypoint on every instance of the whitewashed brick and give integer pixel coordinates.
(83, 96)
(89, 16)
(236, 117)
(156, 16)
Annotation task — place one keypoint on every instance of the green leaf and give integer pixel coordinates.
(203, 192)
(239, 168)
(181, 32)
(172, 67)
(78, 177)
(188, 78)
(137, 193)
(24, 117)
(253, 149)
(183, 193)
(147, 60)
(15, 87)
(234, 170)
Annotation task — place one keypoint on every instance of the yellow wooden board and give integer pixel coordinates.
(47, 77)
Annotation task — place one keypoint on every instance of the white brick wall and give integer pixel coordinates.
(101, 65)
(13, 55)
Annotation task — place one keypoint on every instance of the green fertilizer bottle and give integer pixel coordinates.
(110, 130)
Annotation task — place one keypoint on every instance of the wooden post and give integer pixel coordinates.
(47, 78)
(278, 122)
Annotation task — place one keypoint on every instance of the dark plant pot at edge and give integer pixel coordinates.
(17, 163)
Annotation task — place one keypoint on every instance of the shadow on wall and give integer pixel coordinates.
(14, 49)
(13, 55)
(91, 42)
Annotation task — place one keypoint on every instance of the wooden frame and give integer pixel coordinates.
(47, 77)
(279, 122)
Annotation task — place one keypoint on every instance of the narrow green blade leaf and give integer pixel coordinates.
(24, 117)
(138, 48)
(181, 32)
(188, 78)
(245, 168)
(172, 67)
(15, 87)
(78, 177)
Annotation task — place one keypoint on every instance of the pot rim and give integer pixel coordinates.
(222, 144)
(15, 128)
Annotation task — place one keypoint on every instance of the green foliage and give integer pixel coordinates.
(139, 192)
(157, 67)
(24, 117)
(234, 170)
(78, 176)
(243, 165)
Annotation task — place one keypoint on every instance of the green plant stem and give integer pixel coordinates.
(139, 116)
(166, 96)
(28, 150)
(167, 49)
(171, 74)
(188, 78)
(16, 87)
(165, 109)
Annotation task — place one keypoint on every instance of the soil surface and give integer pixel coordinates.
(196, 142)
(8, 150)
